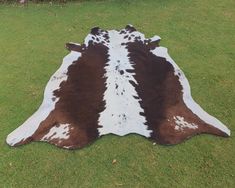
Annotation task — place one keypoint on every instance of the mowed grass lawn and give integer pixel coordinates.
(200, 37)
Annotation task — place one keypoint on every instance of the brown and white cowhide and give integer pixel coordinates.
(117, 82)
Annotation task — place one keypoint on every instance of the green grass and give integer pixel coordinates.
(200, 36)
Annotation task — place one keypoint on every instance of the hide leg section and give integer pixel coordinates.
(181, 124)
(182, 117)
(59, 130)
(23, 134)
(170, 111)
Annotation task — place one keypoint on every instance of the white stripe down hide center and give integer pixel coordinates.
(121, 115)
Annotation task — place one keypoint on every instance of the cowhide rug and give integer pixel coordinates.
(117, 82)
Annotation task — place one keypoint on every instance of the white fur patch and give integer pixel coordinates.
(181, 124)
(60, 131)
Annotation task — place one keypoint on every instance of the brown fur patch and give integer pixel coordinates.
(162, 100)
(81, 99)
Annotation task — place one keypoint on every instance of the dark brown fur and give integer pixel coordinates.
(161, 94)
(81, 99)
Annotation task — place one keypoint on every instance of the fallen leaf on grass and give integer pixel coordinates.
(114, 161)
